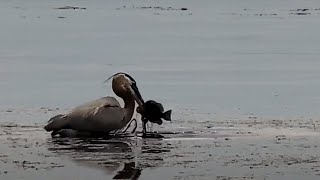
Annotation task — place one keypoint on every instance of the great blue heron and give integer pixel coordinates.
(102, 115)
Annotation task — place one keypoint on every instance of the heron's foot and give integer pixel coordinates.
(151, 135)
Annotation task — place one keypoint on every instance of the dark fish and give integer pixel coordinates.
(153, 111)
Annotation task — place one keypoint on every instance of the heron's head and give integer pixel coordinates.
(125, 86)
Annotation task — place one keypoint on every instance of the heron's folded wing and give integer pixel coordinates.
(104, 101)
(102, 118)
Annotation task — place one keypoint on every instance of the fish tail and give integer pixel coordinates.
(56, 123)
(167, 115)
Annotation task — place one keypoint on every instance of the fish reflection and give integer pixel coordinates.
(123, 158)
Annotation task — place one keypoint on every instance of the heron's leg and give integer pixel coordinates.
(144, 130)
(135, 126)
(129, 125)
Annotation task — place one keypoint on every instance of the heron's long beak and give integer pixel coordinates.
(136, 94)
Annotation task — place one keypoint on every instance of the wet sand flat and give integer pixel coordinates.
(250, 148)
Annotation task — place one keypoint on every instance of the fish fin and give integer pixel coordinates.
(167, 115)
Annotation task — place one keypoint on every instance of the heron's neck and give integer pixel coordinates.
(129, 106)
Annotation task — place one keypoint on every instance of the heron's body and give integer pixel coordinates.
(101, 115)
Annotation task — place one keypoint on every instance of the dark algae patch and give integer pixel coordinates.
(159, 10)
(71, 7)
(275, 12)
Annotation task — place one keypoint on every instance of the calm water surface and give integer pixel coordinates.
(223, 59)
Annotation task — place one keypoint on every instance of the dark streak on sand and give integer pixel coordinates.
(264, 13)
(157, 8)
(162, 8)
(300, 13)
(71, 7)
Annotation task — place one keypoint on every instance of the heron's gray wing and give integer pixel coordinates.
(104, 114)
(104, 101)
(91, 116)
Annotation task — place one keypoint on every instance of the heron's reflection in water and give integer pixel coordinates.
(123, 157)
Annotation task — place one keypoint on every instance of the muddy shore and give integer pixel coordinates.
(249, 148)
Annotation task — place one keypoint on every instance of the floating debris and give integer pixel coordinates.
(158, 8)
(305, 9)
(300, 13)
(71, 7)
(272, 13)
(9, 125)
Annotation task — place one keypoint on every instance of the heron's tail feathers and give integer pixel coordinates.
(56, 123)
(167, 115)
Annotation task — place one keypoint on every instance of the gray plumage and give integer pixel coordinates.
(101, 115)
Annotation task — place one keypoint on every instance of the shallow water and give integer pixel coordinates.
(216, 64)
(215, 57)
